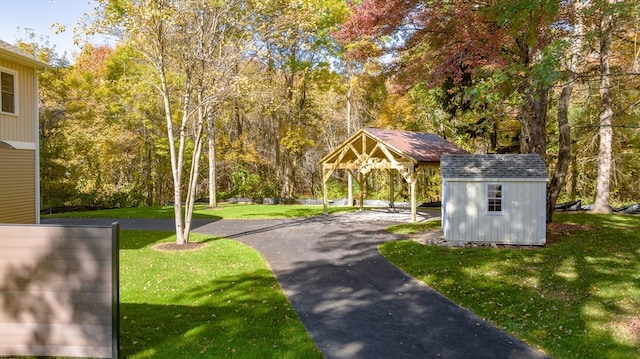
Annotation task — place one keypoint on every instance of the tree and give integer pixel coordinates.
(295, 50)
(603, 182)
(612, 27)
(463, 43)
(572, 61)
(191, 46)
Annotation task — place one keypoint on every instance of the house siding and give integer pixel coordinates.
(22, 127)
(17, 194)
(522, 221)
(19, 182)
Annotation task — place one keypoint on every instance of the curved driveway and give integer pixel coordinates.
(353, 302)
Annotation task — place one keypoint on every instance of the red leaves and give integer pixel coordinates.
(373, 18)
(440, 39)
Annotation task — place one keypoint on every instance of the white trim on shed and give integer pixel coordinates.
(466, 214)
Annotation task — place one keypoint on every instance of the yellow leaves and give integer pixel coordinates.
(240, 150)
(395, 111)
(296, 140)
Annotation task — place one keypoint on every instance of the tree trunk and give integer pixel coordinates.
(213, 202)
(564, 129)
(564, 146)
(349, 177)
(533, 119)
(606, 114)
(176, 165)
(193, 174)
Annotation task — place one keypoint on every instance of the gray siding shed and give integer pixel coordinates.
(494, 199)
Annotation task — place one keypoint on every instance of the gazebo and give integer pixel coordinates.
(391, 150)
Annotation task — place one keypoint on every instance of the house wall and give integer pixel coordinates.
(21, 128)
(465, 217)
(18, 166)
(17, 186)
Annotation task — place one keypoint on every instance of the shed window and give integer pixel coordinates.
(8, 92)
(494, 197)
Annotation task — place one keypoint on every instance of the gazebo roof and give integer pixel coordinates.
(391, 146)
(421, 146)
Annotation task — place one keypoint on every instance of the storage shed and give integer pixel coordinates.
(494, 199)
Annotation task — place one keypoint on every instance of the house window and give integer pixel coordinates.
(495, 195)
(8, 92)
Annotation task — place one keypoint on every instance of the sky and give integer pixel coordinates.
(39, 15)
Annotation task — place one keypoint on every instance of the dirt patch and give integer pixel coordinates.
(634, 328)
(174, 247)
(566, 228)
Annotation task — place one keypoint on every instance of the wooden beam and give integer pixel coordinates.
(392, 180)
(354, 174)
(373, 150)
(325, 194)
(361, 182)
(390, 156)
(414, 206)
(327, 170)
(356, 153)
(336, 164)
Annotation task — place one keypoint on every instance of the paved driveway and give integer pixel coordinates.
(353, 302)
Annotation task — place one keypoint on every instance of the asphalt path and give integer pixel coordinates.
(352, 301)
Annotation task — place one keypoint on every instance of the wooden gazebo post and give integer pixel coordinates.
(414, 206)
(325, 194)
(392, 191)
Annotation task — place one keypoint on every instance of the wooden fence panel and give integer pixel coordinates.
(59, 291)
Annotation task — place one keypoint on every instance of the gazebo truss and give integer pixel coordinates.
(391, 150)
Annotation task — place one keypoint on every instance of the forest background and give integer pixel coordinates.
(261, 90)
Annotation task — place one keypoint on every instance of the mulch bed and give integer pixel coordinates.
(566, 228)
(174, 247)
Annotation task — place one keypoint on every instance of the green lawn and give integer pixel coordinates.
(224, 211)
(221, 301)
(577, 297)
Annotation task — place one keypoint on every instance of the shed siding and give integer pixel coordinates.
(17, 186)
(522, 221)
(22, 127)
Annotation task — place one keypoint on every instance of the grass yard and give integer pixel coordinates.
(221, 301)
(577, 297)
(224, 211)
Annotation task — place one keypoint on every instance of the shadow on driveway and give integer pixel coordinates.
(354, 303)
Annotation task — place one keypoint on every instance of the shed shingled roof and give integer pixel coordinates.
(528, 166)
(421, 146)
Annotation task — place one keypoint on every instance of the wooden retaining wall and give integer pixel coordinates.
(59, 291)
